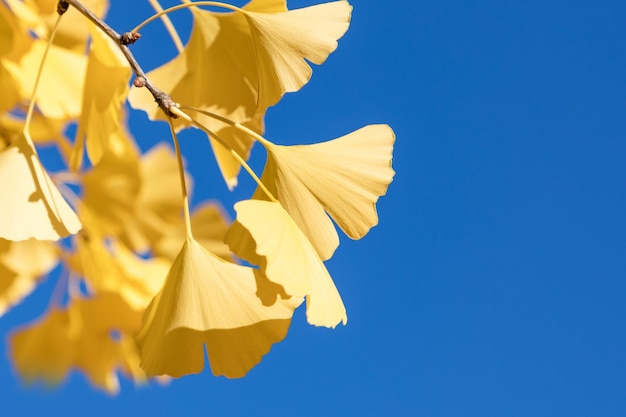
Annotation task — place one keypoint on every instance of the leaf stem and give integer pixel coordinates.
(183, 185)
(185, 6)
(31, 104)
(234, 153)
(236, 125)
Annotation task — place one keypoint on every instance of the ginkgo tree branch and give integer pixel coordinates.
(163, 99)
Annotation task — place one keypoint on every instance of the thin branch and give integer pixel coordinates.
(163, 99)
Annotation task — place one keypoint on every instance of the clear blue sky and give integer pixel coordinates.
(495, 283)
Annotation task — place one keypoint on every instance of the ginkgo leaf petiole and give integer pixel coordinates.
(185, 6)
(176, 110)
(181, 172)
(31, 104)
(229, 122)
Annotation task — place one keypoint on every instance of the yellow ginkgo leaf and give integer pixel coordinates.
(219, 48)
(22, 264)
(10, 96)
(94, 263)
(43, 350)
(106, 87)
(60, 90)
(14, 287)
(110, 189)
(99, 368)
(79, 336)
(114, 268)
(29, 18)
(30, 257)
(158, 205)
(14, 42)
(15, 33)
(72, 32)
(42, 130)
(130, 366)
(344, 177)
(284, 40)
(98, 353)
(31, 205)
(142, 277)
(7, 32)
(265, 235)
(208, 301)
(266, 6)
(258, 54)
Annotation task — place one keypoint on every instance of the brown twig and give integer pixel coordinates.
(163, 99)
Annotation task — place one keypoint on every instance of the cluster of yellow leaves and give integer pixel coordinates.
(149, 286)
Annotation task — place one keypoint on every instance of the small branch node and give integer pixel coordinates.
(128, 38)
(165, 102)
(139, 82)
(62, 7)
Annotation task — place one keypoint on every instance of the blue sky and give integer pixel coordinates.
(494, 284)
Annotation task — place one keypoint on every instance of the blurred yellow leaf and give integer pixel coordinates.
(113, 268)
(22, 264)
(14, 41)
(42, 130)
(72, 32)
(43, 350)
(80, 336)
(110, 189)
(105, 91)
(158, 204)
(99, 353)
(61, 87)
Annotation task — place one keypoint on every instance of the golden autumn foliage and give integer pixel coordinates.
(148, 284)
